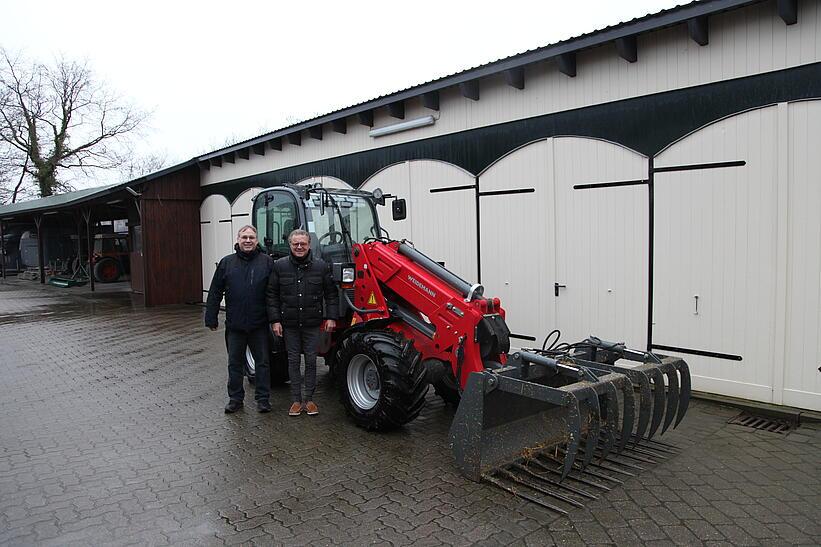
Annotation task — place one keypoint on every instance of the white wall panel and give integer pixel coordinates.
(394, 180)
(716, 237)
(241, 210)
(215, 231)
(517, 238)
(592, 241)
(743, 42)
(444, 223)
(601, 241)
(802, 377)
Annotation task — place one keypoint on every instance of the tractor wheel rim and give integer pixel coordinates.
(364, 384)
(250, 364)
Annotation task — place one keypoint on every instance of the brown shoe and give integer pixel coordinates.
(296, 409)
(312, 409)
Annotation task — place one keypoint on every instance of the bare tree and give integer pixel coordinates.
(137, 166)
(59, 118)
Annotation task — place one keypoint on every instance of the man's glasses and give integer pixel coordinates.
(299, 244)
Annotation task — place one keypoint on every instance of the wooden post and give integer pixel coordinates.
(90, 246)
(2, 252)
(38, 221)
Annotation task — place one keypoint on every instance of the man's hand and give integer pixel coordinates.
(276, 328)
(330, 325)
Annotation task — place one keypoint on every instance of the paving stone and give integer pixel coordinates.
(133, 448)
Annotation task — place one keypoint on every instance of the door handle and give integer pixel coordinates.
(556, 287)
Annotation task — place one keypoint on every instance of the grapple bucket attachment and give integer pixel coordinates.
(533, 405)
(664, 379)
(539, 423)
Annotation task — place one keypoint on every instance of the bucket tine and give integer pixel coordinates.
(557, 484)
(645, 405)
(519, 480)
(684, 398)
(594, 417)
(658, 400)
(611, 414)
(629, 414)
(524, 495)
(672, 396)
(574, 424)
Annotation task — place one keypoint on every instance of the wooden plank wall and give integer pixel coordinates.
(171, 238)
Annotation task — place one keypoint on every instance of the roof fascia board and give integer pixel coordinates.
(646, 24)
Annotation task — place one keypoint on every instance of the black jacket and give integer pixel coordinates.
(296, 290)
(242, 278)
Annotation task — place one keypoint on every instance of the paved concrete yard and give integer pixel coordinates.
(112, 432)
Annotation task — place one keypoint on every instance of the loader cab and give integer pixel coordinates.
(335, 219)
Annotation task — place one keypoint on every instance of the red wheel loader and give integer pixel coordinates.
(552, 425)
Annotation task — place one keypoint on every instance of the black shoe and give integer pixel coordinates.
(233, 406)
(263, 407)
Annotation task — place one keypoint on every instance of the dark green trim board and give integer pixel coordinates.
(645, 124)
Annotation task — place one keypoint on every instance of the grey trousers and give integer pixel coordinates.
(300, 341)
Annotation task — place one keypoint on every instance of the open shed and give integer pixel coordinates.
(162, 212)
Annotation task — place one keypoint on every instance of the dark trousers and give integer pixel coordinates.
(300, 341)
(257, 341)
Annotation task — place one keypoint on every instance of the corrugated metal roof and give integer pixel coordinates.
(655, 21)
(81, 196)
(54, 202)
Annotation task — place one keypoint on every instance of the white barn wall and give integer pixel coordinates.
(802, 351)
(743, 42)
(241, 213)
(601, 241)
(215, 231)
(716, 238)
(747, 240)
(443, 224)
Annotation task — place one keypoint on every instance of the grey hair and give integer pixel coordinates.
(298, 232)
(246, 227)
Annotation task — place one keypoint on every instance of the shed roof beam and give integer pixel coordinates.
(276, 144)
(515, 77)
(316, 132)
(470, 89)
(216, 160)
(340, 125)
(567, 63)
(628, 48)
(397, 110)
(431, 100)
(366, 118)
(698, 28)
(243, 153)
(259, 149)
(788, 11)
(295, 138)
(229, 157)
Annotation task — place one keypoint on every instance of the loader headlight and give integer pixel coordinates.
(348, 275)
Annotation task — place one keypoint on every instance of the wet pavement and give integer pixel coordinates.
(112, 432)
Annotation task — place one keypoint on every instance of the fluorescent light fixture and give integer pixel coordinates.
(113, 201)
(50, 213)
(402, 126)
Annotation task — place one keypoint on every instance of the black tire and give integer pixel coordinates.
(107, 270)
(445, 387)
(381, 378)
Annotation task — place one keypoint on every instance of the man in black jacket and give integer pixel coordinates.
(296, 288)
(242, 277)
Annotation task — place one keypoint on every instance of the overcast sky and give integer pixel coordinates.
(214, 72)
